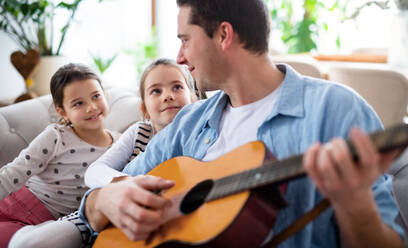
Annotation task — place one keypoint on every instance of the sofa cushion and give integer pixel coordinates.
(399, 172)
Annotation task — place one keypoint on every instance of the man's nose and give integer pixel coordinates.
(180, 57)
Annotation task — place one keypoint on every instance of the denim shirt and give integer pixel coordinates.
(308, 110)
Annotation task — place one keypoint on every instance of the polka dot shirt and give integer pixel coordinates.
(52, 167)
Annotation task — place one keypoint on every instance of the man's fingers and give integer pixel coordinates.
(365, 148)
(341, 158)
(131, 205)
(135, 235)
(154, 183)
(142, 193)
(327, 169)
(309, 162)
(142, 225)
(142, 214)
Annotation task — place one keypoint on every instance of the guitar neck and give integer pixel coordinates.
(286, 169)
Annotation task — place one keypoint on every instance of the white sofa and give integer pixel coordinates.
(20, 123)
(399, 172)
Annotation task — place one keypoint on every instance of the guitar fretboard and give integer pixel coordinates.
(257, 177)
(278, 171)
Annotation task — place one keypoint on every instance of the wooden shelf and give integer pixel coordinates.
(366, 58)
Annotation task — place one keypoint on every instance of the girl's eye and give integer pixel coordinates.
(77, 104)
(177, 87)
(154, 92)
(96, 96)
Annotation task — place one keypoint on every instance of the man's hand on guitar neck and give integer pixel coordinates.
(128, 204)
(348, 187)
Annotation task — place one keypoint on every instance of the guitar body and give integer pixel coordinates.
(239, 220)
(215, 215)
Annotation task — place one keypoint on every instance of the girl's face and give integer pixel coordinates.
(84, 105)
(165, 93)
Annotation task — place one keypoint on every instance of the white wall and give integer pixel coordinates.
(371, 29)
(166, 21)
(11, 83)
(108, 28)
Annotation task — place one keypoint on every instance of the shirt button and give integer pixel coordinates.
(12, 130)
(207, 140)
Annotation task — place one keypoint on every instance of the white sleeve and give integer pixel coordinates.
(109, 165)
(31, 161)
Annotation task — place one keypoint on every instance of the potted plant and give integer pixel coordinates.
(300, 33)
(31, 25)
(145, 52)
(102, 64)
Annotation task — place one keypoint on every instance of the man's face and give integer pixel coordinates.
(198, 52)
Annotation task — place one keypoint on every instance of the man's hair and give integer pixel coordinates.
(249, 19)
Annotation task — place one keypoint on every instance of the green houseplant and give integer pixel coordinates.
(102, 64)
(31, 23)
(145, 52)
(299, 34)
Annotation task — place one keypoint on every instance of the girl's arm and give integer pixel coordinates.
(111, 163)
(33, 160)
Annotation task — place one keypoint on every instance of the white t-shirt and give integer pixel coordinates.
(240, 125)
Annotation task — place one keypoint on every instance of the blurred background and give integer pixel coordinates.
(118, 37)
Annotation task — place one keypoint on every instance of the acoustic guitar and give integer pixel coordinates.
(232, 201)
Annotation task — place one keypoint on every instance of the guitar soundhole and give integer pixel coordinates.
(196, 196)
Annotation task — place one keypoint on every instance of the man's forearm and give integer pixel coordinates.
(361, 226)
(95, 217)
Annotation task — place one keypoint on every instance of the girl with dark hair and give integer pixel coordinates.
(46, 180)
(165, 88)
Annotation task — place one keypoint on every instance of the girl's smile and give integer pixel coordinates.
(95, 117)
(177, 108)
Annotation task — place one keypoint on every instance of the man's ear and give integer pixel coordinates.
(225, 34)
(144, 111)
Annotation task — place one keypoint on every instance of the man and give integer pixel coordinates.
(225, 45)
